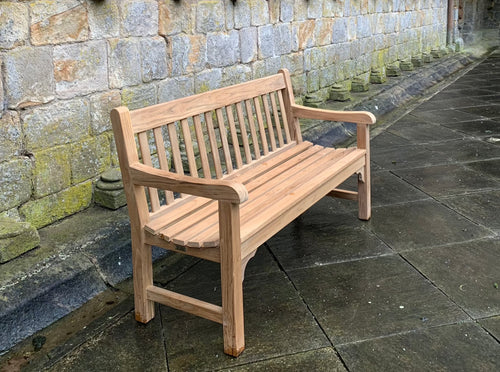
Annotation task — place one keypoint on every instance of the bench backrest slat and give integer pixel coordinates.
(213, 134)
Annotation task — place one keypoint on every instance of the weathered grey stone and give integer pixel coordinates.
(236, 74)
(300, 10)
(139, 17)
(259, 12)
(41, 10)
(28, 83)
(427, 57)
(294, 62)
(56, 26)
(189, 53)
(313, 81)
(104, 19)
(208, 80)
(14, 21)
(314, 9)
(364, 26)
(154, 58)
(266, 41)
(223, 49)
(242, 14)
(10, 136)
(359, 85)
(16, 238)
(268, 66)
(112, 175)
(56, 124)
(248, 44)
(15, 183)
(210, 16)
(2, 97)
(80, 68)
(303, 34)
(323, 31)
(52, 171)
(339, 92)
(176, 17)
(111, 199)
(89, 158)
(282, 39)
(286, 10)
(124, 62)
(138, 97)
(406, 65)
(417, 61)
(314, 58)
(312, 100)
(174, 88)
(44, 211)
(101, 105)
(377, 76)
(393, 70)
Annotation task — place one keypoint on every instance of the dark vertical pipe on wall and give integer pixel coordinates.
(449, 28)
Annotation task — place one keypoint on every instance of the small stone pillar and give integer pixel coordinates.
(406, 65)
(427, 57)
(109, 191)
(16, 238)
(417, 61)
(359, 85)
(437, 53)
(377, 76)
(339, 92)
(393, 70)
(312, 100)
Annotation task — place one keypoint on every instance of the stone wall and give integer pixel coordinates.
(66, 63)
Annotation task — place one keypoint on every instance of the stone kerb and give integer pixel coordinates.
(66, 64)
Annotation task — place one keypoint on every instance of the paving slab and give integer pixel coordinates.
(413, 155)
(491, 168)
(422, 224)
(277, 323)
(455, 348)
(481, 207)
(485, 127)
(375, 297)
(457, 93)
(491, 111)
(386, 139)
(322, 360)
(422, 132)
(467, 150)
(467, 273)
(444, 116)
(493, 98)
(449, 179)
(492, 325)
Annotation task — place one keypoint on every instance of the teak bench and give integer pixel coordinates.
(216, 174)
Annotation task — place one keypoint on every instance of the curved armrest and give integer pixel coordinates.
(358, 117)
(213, 189)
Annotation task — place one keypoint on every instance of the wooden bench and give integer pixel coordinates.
(216, 174)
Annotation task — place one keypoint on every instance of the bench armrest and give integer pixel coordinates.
(222, 190)
(358, 117)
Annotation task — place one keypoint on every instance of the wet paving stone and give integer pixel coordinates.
(489, 167)
(490, 111)
(277, 323)
(387, 139)
(455, 348)
(442, 180)
(481, 207)
(444, 116)
(409, 156)
(492, 325)
(457, 93)
(467, 150)
(125, 346)
(477, 127)
(494, 98)
(322, 360)
(359, 300)
(466, 272)
(302, 245)
(422, 224)
(421, 132)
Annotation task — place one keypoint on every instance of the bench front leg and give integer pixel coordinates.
(364, 179)
(231, 278)
(143, 278)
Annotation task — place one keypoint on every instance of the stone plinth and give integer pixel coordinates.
(109, 191)
(338, 92)
(16, 238)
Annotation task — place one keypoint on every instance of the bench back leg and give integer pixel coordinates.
(364, 179)
(143, 278)
(231, 279)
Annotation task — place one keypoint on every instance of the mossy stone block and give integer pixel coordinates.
(359, 85)
(406, 65)
(312, 100)
(393, 70)
(338, 92)
(377, 76)
(417, 61)
(16, 238)
(111, 199)
(427, 57)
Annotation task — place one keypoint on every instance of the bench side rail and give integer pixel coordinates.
(209, 135)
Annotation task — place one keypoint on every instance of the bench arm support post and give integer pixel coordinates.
(364, 178)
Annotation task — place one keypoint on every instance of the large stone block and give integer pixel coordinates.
(314, 9)
(139, 17)
(28, 83)
(189, 53)
(282, 39)
(294, 62)
(176, 17)
(80, 68)
(44, 211)
(104, 19)
(16, 238)
(236, 74)
(323, 31)
(60, 123)
(210, 16)
(66, 26)
(305, 34)
(52, 170)
(14, 25)
(266, 67)
(242, 14)
(339, 30)
(259, 12)
(124, 62)
(223, 49)
(208, 80)
(101, 105)
(174, 88)
(154, 58)
(15, 183)
(11, 139)
(138, 97)
(248, 44)
(286, 10)
(314, 58)
(89, 158)
(266, 41)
